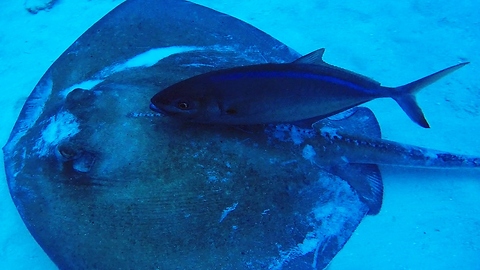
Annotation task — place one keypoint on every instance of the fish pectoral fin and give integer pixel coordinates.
(366, 180)
(313, 58)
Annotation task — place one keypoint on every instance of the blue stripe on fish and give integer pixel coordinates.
(290, 75)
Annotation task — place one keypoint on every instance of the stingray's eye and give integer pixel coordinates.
(182, 105)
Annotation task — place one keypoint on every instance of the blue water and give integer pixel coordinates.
(429, 219)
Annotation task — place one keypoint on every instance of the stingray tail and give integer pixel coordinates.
(405, 95)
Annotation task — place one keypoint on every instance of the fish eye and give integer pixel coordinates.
(183, 105)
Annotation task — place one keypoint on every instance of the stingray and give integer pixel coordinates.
(101, 182)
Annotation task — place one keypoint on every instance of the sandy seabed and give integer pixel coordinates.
(430, 218)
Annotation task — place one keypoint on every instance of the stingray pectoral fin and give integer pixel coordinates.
(405, 95)
(358, 121)
(366, 180)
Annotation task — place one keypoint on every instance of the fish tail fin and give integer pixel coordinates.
(405, 95)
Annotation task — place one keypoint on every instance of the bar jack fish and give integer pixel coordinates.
(307, 88)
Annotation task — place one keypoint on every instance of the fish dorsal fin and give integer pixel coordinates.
(313, 58)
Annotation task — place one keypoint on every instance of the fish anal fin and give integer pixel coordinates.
(366, 180)
(313, 58)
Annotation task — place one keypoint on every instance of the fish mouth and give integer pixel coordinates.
(156, 109)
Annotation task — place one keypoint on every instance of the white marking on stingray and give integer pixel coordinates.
(220, 48)
(31, 111)
(153, 56)
(327, 221)
(59, 127)
(309, 153)
(289, 132)
(14, 166)
(20, 168)
(430, 154)
(212, 176)
(296, 135)
(215, 177)
(197, 65)
(227, 211)
(86, 85)
(329, 132)
(343, 115)
(145, 59)
(288, 162)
